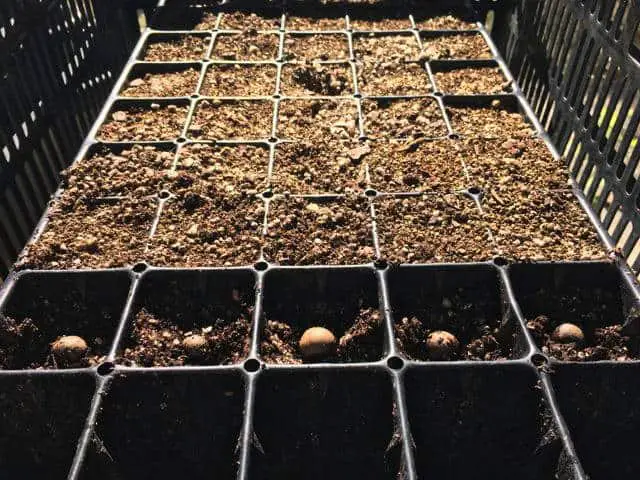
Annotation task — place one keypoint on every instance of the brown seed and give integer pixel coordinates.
(317, 343)
(442, 345)
(568, 333)
(195, 346)
(69, 350)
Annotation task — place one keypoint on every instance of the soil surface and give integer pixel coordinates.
(401, 118)
(307, 79)
(318, 167)
(187, 47)
(488, 122)
(153, 123)
(232, 168)
(239, 80)
(233, 119)
(381, 23)
(443, 22)
(386, 48)
(361, 342)
(316, 47)
(249, 21)
(170, 84)
(432, 228)
(318, 119)
(306, 232)
(207, 21)
(391, 78)
(470, 81)
(310, 23)
(445, 47)
(246, 46)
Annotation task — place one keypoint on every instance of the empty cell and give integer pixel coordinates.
(129, 122)
(455, 47)
(452, 20)
(41, 419)
(318, 119)
(190, 318)
(386, 47)
(167, 426)
(494, 420)
(246, 46)
(254, 20)
(380, 21)
(472, 81)
(405, 117)
(232, 120)
(578, 312)
(61, 320)
(324, 424)
(308, 79)
(494, 121)
(175, 48)
(392, 78)
(184, 17)
(309, 20)
(343, 301)
(316, 47)
(239, 80)
(157, 83)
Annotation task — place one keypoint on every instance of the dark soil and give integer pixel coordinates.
(187, 47)
(472, 81)
(380, 24)
(318, 119)
(311, 23)
(443, 22)
(153, 123)
(488, 122)
(307, 79)
(232, 168)
(391, 78)
(239, 80)
(170, 84)
(249, 21)
(463, 47)
(306, 232)
(246, 46)
(318, 167)
(432, 228)
(361, 342)
(386, 48)
(312, 47)
(232, 119)
(401, 118)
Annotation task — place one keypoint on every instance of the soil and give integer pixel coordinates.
(443, 22)
(233, 119)
(391, 78)
(170, 84)
(203, 226)
(249, 21)
(380, 24)
(540, 225)
(488, 122)
(432, 228)
(308, 79)
(318, 167)
(463, 47)
(207, 21)
(246, 46)
(401, 118)
(405, 166)
(318, 119)
(470, 81)
(136, 171)
(92, 234)
(232, 168)
(239, 80)
(601, 343)
(187, 47)
(153, 123)
(312, 47)
(310, 23)
(361, 342)
(322, 231)
(386, 48)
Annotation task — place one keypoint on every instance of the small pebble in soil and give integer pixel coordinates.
(195, 347)
(568, 333)
(70, 350)
(317, 343)
(442, 345)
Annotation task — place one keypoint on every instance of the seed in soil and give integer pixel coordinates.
(314, 47)
(568, 333)
(180, 83)
(488, 122)
(70, 351)
(92, 234)
(232, 119)
(451, 21)
(195, 347)
(370, 48)
(432, 228)
(319, 167)
(392, 78)
(308, 232)
(205, 227)
(307, 79)
(310, 22)
(135, 171)
(454, 47)
(180, 48)
(239, 80)
(442, 345)
(328, 120)
(246, 46)
(472, 81)
(233, 168)
(153, 122)
(381, 23)
(401, 118)
(249, 21)
(317, 344)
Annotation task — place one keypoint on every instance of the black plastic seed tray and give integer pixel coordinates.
(205, 226)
